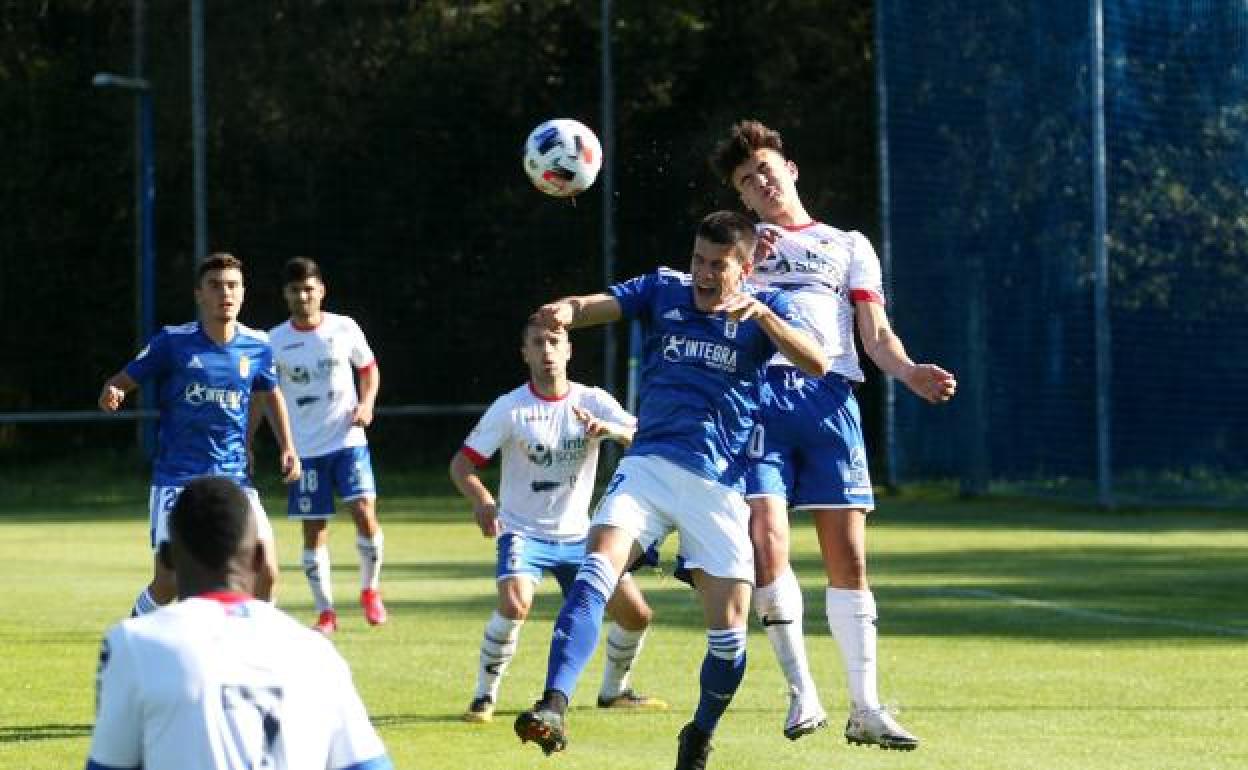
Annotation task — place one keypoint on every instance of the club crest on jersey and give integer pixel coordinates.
(677, 348)
(730, 328)
(244, 366)
(540, 455)
(299, 375)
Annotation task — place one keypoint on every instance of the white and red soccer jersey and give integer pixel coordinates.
(225, 682)
(315, 370)
(824, 271)
(549, 463)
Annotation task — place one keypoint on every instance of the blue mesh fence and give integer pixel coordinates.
(989, 125)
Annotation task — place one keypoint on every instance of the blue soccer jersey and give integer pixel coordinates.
(203, 391)
(700, 375)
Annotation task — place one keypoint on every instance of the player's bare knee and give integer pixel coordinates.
(515, 610)
(364, 513)
(850, 573)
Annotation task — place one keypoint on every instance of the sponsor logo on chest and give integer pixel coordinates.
(679, 348)
(199, 394)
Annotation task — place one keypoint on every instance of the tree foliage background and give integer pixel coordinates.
(383, 138)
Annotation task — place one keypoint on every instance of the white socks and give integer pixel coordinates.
(779, 608)
(623, 647)
(851, 618)
(316, 567)
(371, 549)
(498, 647)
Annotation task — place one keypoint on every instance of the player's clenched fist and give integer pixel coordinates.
(556, 315)
(111, 397)
(931, 383)
(486, 515)
(741, 306)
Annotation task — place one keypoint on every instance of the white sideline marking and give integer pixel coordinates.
(1108, 617)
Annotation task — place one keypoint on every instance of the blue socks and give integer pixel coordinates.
(578, 624)
(723, 668)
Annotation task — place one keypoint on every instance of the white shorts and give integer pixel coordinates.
(160, 502)
(649, 497)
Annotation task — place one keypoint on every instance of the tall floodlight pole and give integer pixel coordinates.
(886, 239)
(608, 192)
(1100, 258)
(199, 132)
(144, 203)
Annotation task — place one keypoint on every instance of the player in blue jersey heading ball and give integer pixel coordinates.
(204, 374)
(708, 337)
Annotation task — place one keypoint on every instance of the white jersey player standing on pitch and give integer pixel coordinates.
(220, 680)
(319, 355)
(549, 431)
(813, 454)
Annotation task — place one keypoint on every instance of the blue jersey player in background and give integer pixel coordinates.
(204, 374)
(707, 340)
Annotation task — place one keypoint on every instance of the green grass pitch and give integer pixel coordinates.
(1013, 635)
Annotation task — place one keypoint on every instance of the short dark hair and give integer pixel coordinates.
(210, 520)
(301, 269)
(729, 228)
(744, 139)
(220, 260)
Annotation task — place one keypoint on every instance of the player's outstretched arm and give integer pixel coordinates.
(575, 312)
(114, 391)
(464, 476)
(279, 421)
(928, 381)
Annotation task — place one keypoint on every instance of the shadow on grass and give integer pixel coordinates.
(25, 733)
(1053, 578)
(1046, 591)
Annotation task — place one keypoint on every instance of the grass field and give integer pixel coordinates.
(1013, 635)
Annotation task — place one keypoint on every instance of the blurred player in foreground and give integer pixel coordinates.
(205, 374)
(707, 338)
(318, 355)
(814, 458)
(221, 680)
(549, 431)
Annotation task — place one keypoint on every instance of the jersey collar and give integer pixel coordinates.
(534, 391)
(226, 597)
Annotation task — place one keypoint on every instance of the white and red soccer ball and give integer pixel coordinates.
(562, 157)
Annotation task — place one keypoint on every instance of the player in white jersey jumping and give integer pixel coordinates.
(319, 355)
(707, 339)
(207, 376)
(221, 681)
(814, 457)
(549, 431)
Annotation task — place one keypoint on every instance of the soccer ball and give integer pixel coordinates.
(562, 157)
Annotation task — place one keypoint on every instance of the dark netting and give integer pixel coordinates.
(989, 121)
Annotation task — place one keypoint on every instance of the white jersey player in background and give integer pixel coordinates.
(549, 431)
(319, 355)
(220, 680)
(813, 455)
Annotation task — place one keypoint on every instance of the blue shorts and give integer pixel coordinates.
(347, 473)
(811, 451)
(532, 557)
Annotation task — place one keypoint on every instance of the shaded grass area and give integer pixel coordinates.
(1014, 634)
